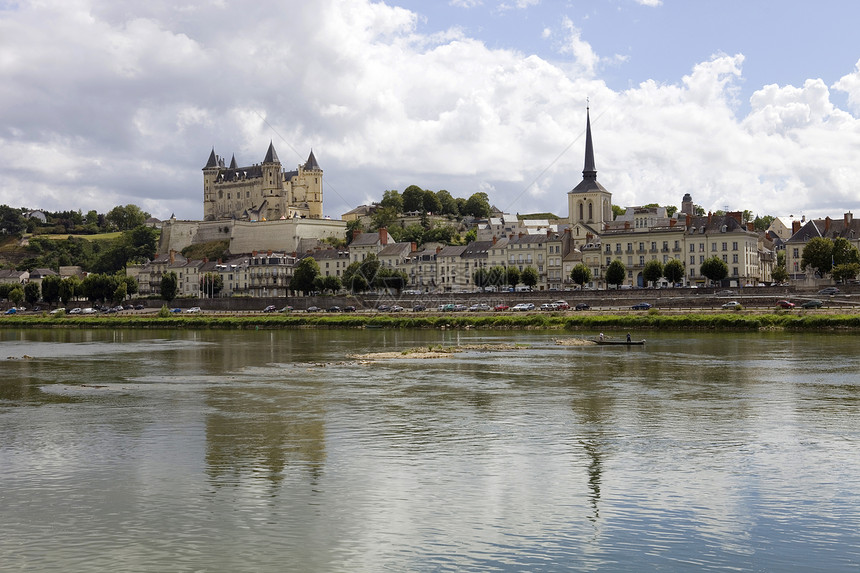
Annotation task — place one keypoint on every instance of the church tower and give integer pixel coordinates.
(589, 203)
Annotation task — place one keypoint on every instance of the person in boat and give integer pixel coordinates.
(628, 337)
(601, 337)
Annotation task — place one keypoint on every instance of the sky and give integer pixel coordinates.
(744, 105)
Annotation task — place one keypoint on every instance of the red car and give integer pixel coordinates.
(785, 304)
(501, 307)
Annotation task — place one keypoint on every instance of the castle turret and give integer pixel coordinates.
(210, 175)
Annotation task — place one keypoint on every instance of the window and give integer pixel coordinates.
(725, 258)
(653, 245)
(734, 271)
(701, 259)
(725, 246)
(734, 258)
(692, 259)
(735, 246)
(795, 253)
(692, 248)
(701, 247)
(629, 261)
(641, 260)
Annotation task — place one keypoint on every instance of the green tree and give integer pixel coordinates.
(331, 284)
(16, 295)
(447, 203)
(5, 289)
(100, 287)
(762, 223)
(69, 289)
(512, 275)
(431, 203)
(671, 210)
(353, 280)
(413, 199)
(478, 206)
(390, 279)
(392, 199)
(131, 286)
(126, 218)
(715, 269)
(169, 286)
(845, 271)
(497, 276)
(32, 292)
(653, 271)
(844, 253)
(818, 255)
(617, 211)
(481, 278)
(471, 236)
(11, 221)
(351, 228)
(530, 276)
(581, 274)
(51, 289)
(673, 271)
(304, 274)
(779, 274)
(384, 217)
(119, 293)
(615, 273)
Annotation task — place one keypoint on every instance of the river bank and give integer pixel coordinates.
(572, 322)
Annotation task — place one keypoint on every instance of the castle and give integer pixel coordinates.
(261, 192)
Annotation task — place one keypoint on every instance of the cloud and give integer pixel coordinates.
(103, 105)
(651, 3)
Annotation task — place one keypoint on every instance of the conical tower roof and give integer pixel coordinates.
(213, 160)
(589, 172)
(311, 163)
(271, 155)
(233, 162)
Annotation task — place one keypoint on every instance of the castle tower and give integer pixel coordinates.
(687, 206)
(313, 180)
(589, 203)
(210, 174)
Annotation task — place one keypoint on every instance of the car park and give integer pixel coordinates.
(812, 303)
(829, 290)
(641, 306)
(732, 304)
(784, 304)
(581, 306)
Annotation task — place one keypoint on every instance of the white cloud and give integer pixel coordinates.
(652, 3)
(105, 105)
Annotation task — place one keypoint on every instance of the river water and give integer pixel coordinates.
(155, 451)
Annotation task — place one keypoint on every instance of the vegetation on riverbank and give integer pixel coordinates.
(576, 322)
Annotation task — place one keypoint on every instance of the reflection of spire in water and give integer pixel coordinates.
(594, 470)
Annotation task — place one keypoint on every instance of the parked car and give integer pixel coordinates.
(419, 308)
(480, 307)
(549, 306)
(562, 305)
(784, 304)
(287, 308)
(501, 307)
(523, 306)
(349, 309)
(12, 310)
(333, 309)
(812, 303)
(75, 310)
(383, 308)
(725, 292)
(94, 311)
(138, 307)
(58, 310)
(829, 290)
(270, 308)
(313, 309)
(193, 310)
(396, 308)
(732, 304)
(175, 310)
(581, 306)
(641, 306)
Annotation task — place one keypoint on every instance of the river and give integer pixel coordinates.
(210, 451)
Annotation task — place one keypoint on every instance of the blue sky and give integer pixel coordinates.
(744, 105)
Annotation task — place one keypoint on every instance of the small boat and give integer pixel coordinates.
(615, 342)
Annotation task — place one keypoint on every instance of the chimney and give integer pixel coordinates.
(709, 217)
(548, 232)
(438, 249)
(268, 253)
(494, 239)
(413, 247)
(205, 260)
(520, 235)
(253, 253)
(750, 226)
(672, 222)
(588, 237)
(626, 225)
(848, 218)
(795, 227)
(689, 220)
(826, 224)
(355, 233)
(383, 236)
(737, 216)
(567, 230)
(172, 256)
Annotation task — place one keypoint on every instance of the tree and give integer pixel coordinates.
(580, 274)
(481, 278)
(5, 289)
(392, 198)
(16, 295)
(671, 210)
(512, 275)
(126, 218)
(351, 228)
(142, 242)
(169, 286)
(447, 203)
(530, 276)
(69, 288)
(353, 279)
(384, 217)
(478, 206)
(431, 203)
(653, 271)
(715, 269)
(303, 277)
(845, 271)
(413, 199)
(844, 253)
(11, 221)
(51, 289)
(615, 273)
(673, 271)
(100, 286)
(779, 274)
(119, 293)
(331, 284)
(386, 278)
(617, 211)
(818, 255)
(32, 292)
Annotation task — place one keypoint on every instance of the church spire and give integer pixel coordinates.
(588, 172)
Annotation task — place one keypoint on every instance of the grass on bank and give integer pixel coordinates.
(692, 321)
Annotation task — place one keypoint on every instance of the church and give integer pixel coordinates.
(262, 191)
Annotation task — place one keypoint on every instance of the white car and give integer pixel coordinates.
(193, 310)
(523, 306)
(89, 310)
(732, 304)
